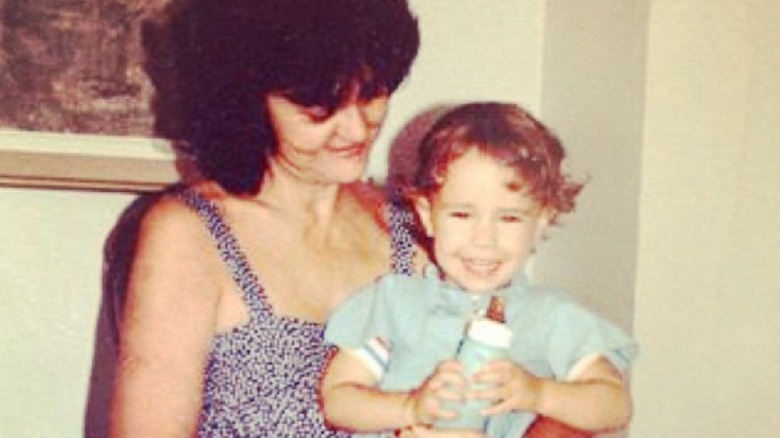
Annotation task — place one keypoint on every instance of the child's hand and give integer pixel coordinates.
(509, 386)
(447, 382)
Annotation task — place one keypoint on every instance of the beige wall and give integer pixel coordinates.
(708, 289)
(592, 95)
(50, 253)
(481, 49)
(675, 103)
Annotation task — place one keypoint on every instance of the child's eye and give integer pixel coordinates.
(511, 218)
(460, 214)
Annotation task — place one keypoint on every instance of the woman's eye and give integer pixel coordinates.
(511, 218)
(317, 113)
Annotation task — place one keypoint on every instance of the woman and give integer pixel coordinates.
(278, 101)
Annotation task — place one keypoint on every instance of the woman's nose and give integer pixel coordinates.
(353, 125)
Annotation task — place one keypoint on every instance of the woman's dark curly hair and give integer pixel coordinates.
(213, 62)
(507, 133)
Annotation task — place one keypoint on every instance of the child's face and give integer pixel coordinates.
(483, 230)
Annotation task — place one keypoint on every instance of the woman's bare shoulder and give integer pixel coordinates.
(171, 230)
(171, 216)
(372, 200)
(172, 302)
(175, 255)
(369, 192)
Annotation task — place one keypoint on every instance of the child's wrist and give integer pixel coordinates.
(541, 399)
(408, 414)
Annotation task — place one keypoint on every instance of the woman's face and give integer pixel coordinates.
(321, 146)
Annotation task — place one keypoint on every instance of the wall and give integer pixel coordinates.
(481, 49)
(589, 48)
(674, 105)
(708, 287)
(592, 96)
(50, 254)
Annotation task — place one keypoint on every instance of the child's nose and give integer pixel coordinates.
(484, 232)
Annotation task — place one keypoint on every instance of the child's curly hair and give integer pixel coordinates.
(507, 133)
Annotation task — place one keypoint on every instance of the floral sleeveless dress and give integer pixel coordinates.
(261, 378)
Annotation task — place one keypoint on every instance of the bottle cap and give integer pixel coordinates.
(495, 310)
(490, 332)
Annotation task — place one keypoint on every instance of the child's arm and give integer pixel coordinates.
(595, 400)
(351, 399)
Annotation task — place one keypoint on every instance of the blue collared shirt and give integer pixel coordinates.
(422, 320)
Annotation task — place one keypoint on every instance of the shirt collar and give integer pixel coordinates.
(453, 296)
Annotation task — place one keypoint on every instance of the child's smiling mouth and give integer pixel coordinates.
(481, 267)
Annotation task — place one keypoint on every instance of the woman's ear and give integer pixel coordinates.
(423, 207)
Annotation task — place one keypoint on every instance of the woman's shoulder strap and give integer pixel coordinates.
(403, 228)
(226, 243)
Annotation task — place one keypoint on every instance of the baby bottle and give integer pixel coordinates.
(485, 340)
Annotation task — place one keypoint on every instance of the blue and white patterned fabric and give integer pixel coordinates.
(261, 378)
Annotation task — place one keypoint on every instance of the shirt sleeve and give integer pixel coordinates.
(368, 322)
(578, 337)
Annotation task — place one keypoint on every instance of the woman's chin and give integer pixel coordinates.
(348, 172)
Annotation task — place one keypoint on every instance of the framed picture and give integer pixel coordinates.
(74, 98)
(85, 161)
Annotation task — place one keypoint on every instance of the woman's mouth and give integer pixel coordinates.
(351, 151)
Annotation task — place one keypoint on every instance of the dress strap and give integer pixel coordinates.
(403, 229)
(227, 246)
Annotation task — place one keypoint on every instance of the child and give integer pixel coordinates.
(489, 183)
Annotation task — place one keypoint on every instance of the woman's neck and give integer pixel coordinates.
(311, 203)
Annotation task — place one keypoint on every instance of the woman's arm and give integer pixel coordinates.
(167, 325)
(596, 400)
